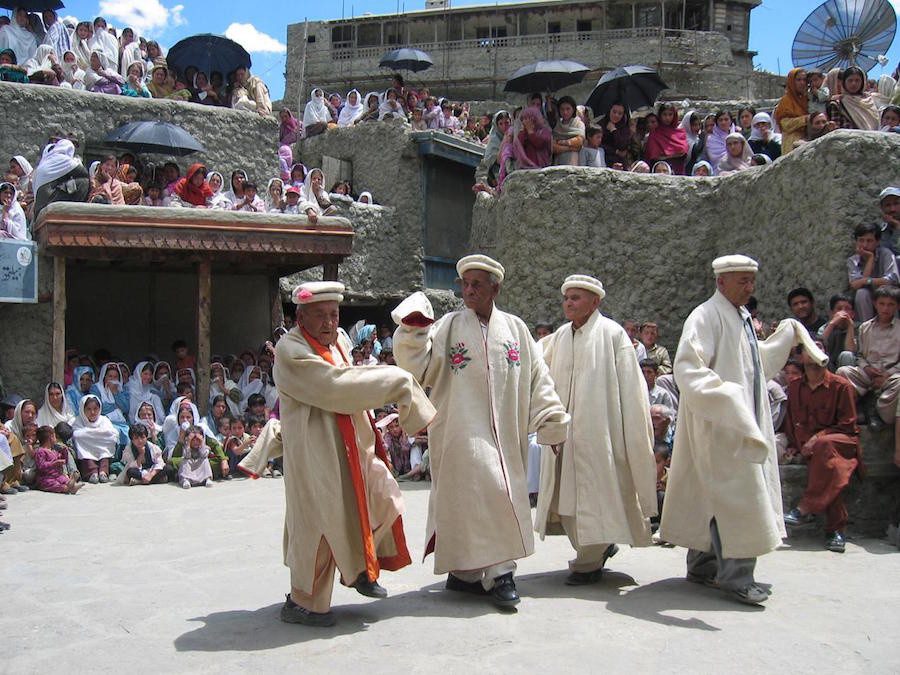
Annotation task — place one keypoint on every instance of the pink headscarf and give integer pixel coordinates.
(286, 159)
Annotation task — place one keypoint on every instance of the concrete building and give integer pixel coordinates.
(699, 46)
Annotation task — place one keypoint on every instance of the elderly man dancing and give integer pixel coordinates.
(490, 387)
(342, 503)
(723, 497)
(599, 487)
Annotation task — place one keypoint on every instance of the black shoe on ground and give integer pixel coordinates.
(371, 589)
(749, 595)
(834, 541)
(702, 580)
(794, 518)
(457, 584)
(504, 594)
(291, 612)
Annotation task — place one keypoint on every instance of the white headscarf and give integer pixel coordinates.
(48, 415)
(755, 135)
(57, 35)
(311, 201)
(107, 396)
(101, 41)
(21, 40)
(350, 112)
(171, 427)
(93, 440)
(40, 61)
(249, 388)
(686, 125)
(702, 162)
(15, 424)
(316, 111)
(25, 164)
(366, 193)
(218, 200)
(131, 53)
(138, 392)
(267, 198)
(730, 164)
(57, 160)
(82, 48)
(388, 109)
(72, 72)
(14, 224)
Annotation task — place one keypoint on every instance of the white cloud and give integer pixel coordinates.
(147, 17)
(253, 40)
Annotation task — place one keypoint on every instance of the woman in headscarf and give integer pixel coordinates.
(390, 107)
(617, 136)
(640, 167)
(18, 36)
(715, 142)
(113, 398)
(203, 92)
(533, 141)
(696, 139)
(57, 35)
(488, 170)
(252, 383)
(316, 115)
(140, 390)
(25, 413)
(40, 67)
(95, 440)
(668, 142)
(218, 199)
(56, 407)
(745, 120)
(81, 44)
(59, 177)
(132, 192)
(73, 75)
(101, 79)
(316, 199)
(762, 138)
(146, 415)
(365, 197)
(792, 110)
(370, 113)
(193, 191)
(236, 193)
(290, 128)
(298, 176)
(663, 167)
(82, 383)
(285, 161)
(702, 169)
(737, 155)
(222, 385)
(158, 85)
(185, 414)
(154, 56)
(568, 133)
(105, 186)
(129, 52)
(163, 383)
(274, 197)
(105, 43)
(855, 108)
(353, 109)
(13, 224)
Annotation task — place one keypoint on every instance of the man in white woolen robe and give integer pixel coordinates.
(342, 504)
(599, 487)
(723, 495)
(491, 388)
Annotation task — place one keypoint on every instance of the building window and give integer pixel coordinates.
(647, 16)
(368, 35)
(310, 38)
(554, 27)
(618, 17)
(342, 35)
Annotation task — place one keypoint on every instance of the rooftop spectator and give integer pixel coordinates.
(869, 268)
(203, 92)
(391, 108)
(715, 149)
(839, 333)
(72, 73)
(745, 121)
(889, 201)
(696, 140)
(854, 107)
(81, 44)
(762, 138)
(568, 134)
(663, 168)
(532, 144)
(316, 115)
(104, 42)
(13, 223)
(702, 169)
(19, 36)
(193, 191)
(818, 91)
(236, 193)
(591, 153)
(56, 35)
(792, 110)
(100, 78)
(106, 188)
(10, 71)
(737, 155)
(668, 141)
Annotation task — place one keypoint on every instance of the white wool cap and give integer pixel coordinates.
(585, 282)
(889, 192)
(734, 263)
(480, 262)
(318, 291)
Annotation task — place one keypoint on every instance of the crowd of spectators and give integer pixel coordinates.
(92, 56)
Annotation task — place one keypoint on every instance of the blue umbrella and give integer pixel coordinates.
(406, 59)
(209, 54)
(157, 137)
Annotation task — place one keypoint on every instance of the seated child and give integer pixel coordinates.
(143, 460)
(50, 464)
(194, 469)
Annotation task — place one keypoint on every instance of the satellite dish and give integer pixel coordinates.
(841, 33)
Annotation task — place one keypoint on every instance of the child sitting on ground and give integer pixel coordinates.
(239, 442)
(50, 464)
(194, 469)
(143, 460)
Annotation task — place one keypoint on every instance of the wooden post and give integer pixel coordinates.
(204, 308)
(275, 304)
(330, 272)
(59, 320)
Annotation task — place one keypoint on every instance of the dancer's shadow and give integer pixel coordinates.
(261, 629)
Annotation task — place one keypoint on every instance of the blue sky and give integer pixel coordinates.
(262, 28)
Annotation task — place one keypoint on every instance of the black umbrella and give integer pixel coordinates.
(546, 76)
(157, 137)
(406, 59)
(32, 5)
(209, 54)
(632, 86)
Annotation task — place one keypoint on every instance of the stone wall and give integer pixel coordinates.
(233, 139)
(651, 238)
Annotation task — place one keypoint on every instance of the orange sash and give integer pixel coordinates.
(348, 433)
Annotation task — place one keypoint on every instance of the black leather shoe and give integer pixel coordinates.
(749, 595)
(504, 592)
(457, 584)
(584, 578)
(291, 612)
(834, 541)
(794, 518)
(371, 589)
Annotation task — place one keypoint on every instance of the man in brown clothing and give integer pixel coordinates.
(821, 424)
